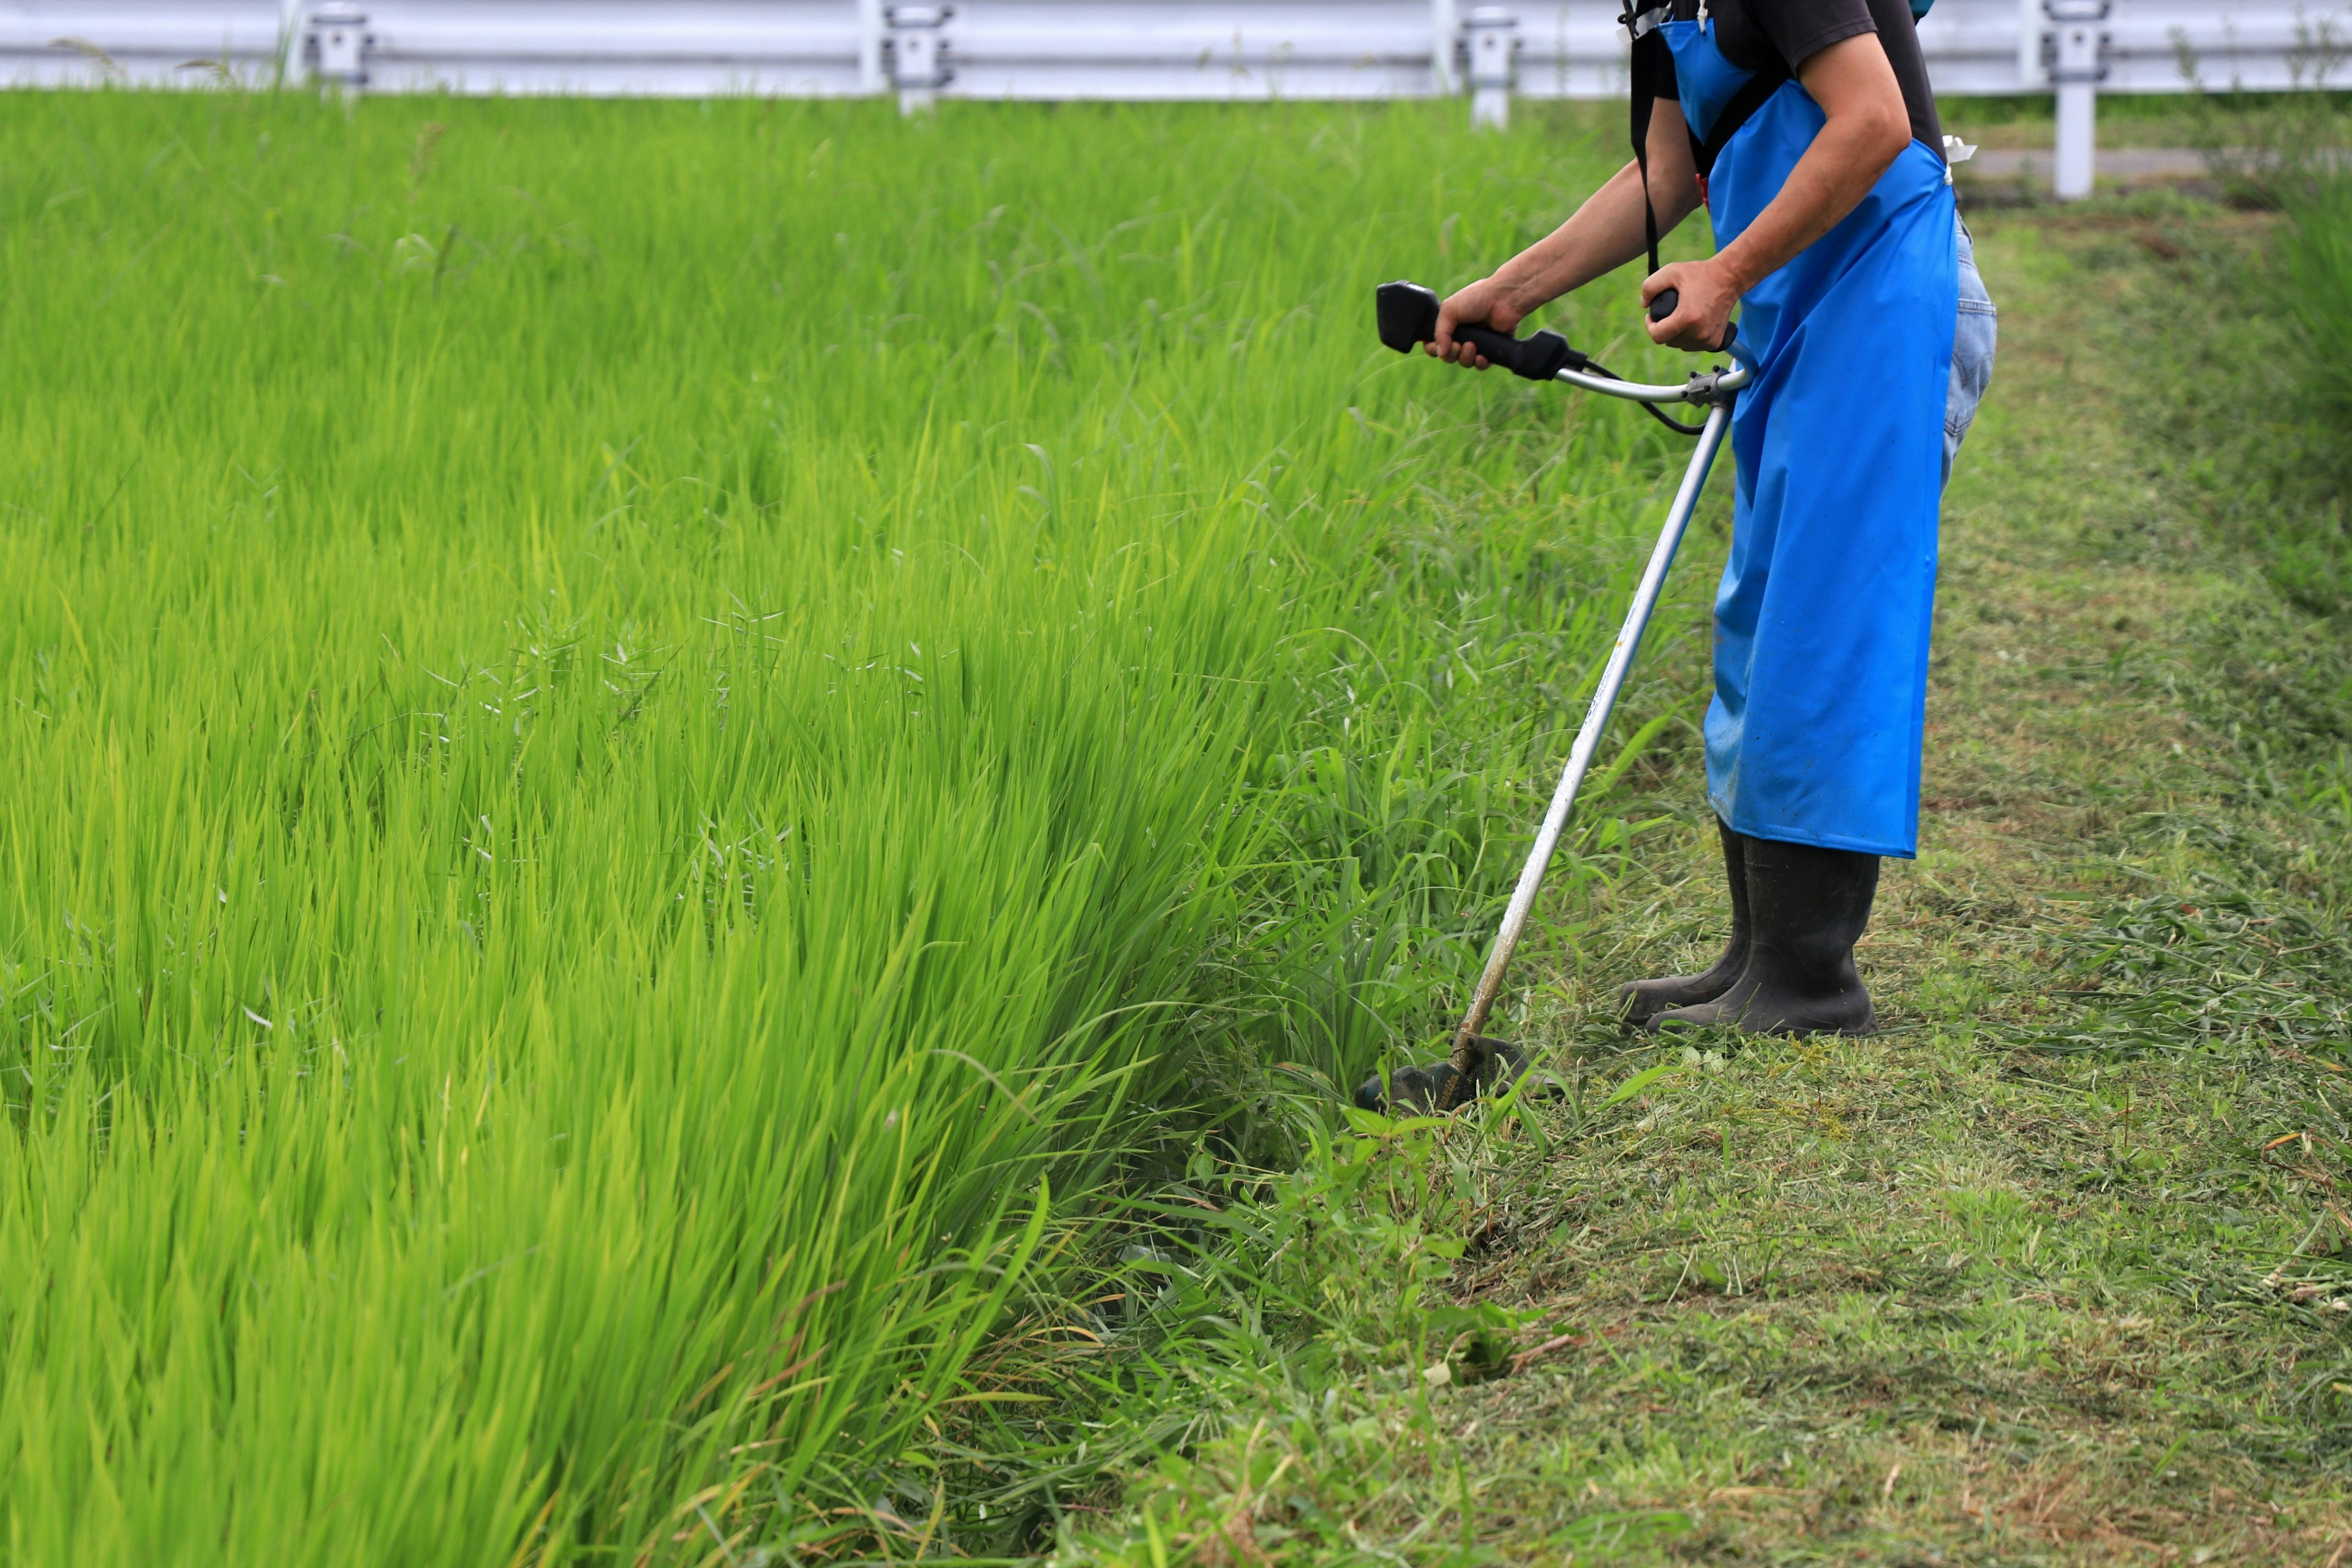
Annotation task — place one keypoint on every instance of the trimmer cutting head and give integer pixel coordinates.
(1418, 1091)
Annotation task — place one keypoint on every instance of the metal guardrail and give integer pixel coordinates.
(1073, 48)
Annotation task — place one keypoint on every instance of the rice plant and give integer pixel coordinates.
(649, 743)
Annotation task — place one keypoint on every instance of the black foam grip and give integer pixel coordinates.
(1407, 317)
(1539, 356)
(1499, 348)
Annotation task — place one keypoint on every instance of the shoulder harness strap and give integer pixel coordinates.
(1744, 103)
(1641, 28)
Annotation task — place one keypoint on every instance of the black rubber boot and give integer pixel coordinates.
(1806, 908)
(1642, 1000)
(1416, 1090)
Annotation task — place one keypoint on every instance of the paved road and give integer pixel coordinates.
(2118, 165)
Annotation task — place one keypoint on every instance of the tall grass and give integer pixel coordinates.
(2318, 277)
(644, 740)
(2304, 538)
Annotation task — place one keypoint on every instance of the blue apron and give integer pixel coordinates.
(1822, 620)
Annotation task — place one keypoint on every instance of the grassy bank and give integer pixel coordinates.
(703, 798)
(2053, 1269)
(653, 746)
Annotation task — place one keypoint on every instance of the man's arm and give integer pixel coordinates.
(1867, 128)
(1605, 232)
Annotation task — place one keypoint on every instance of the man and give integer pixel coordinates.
(1808, 130)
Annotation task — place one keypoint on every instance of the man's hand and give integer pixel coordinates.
(1486, 303)
(1708, 293)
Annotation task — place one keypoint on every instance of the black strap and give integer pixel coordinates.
(1642, 30)
(1642, 27)
(1745, 102)
(1645, 78)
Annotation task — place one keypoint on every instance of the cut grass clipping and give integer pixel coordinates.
(651, 745)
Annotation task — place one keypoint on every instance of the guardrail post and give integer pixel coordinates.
(873, 36)
(335, 45)
(1490, 36)
(2076, 52)
(918, 65)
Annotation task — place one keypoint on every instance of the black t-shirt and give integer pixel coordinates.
(1763, 35)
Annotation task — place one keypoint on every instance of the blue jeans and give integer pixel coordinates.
(1972, 347)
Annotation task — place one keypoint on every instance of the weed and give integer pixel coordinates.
(2269, 150)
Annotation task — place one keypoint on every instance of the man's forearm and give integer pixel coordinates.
(1845, 160)
(1603, 235)
(1605, 232)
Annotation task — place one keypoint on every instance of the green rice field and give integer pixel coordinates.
(655, 751)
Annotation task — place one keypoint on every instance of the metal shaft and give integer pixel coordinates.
(1580, 757)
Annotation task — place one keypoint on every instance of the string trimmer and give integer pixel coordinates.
(1407, 317)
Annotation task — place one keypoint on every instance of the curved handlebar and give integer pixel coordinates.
(1407, 317)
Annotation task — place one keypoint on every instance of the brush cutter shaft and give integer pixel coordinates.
(1588, 740)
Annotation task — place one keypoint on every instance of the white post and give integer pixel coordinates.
(870, 31)
(918, 54)
(1444, 36)
(2076, 157)
(335, 43)
(1493, 36)
(2077, 61)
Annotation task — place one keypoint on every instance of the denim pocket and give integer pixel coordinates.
(1975, 335)
(1973, 339)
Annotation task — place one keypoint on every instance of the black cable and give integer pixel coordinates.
(1671, 423)
(1593, 367)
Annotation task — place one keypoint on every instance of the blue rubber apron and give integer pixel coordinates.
(1822, 620)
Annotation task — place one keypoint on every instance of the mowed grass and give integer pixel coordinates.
(2056, 1269)
(647, 745)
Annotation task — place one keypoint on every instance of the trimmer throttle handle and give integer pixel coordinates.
(1407, 317)
(1669, 300)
